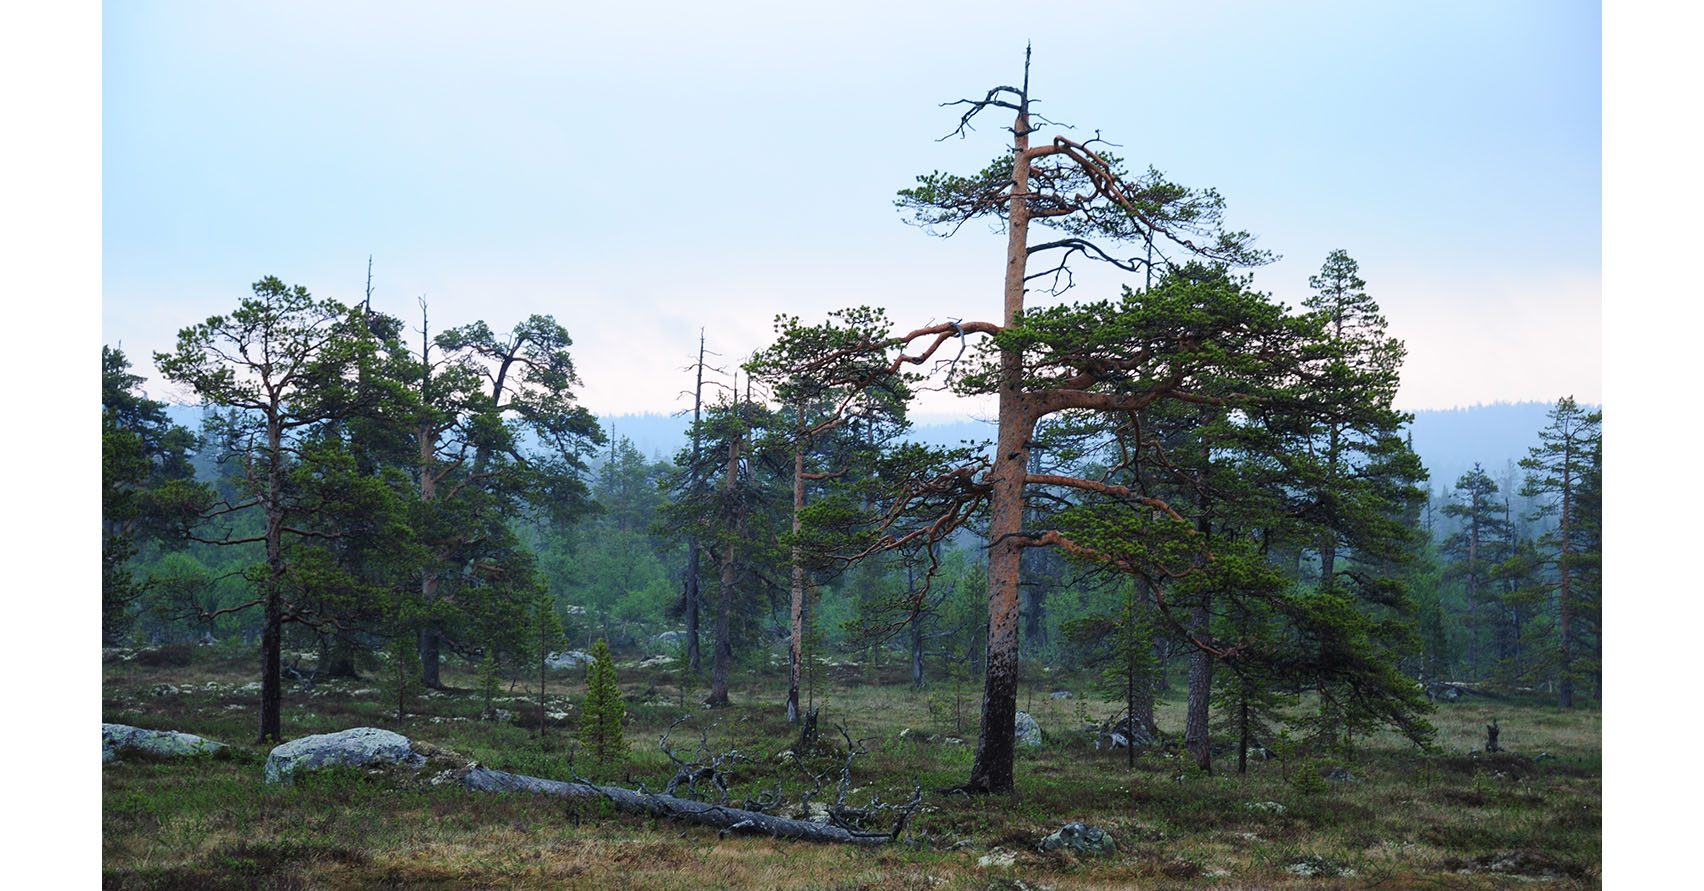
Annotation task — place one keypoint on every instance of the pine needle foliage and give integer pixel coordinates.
(601, 713)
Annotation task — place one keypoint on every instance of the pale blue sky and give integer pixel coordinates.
(642, 173)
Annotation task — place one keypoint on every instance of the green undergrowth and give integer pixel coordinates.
(1450, 818)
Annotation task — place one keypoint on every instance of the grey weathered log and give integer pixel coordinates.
(721, 817)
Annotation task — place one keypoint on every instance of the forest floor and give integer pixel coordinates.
(1456, 818)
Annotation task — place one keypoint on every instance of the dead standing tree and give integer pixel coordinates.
(1088, 198)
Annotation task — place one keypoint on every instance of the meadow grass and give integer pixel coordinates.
(1452, 818)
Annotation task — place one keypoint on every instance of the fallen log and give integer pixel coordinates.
(727, 819)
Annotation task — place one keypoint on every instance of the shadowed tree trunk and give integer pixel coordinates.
(1200, 689)
(725, 601)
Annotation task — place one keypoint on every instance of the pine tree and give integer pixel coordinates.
(1556, 469)
(601, 712)
(1474, 547)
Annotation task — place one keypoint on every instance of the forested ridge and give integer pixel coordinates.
(1198, 508)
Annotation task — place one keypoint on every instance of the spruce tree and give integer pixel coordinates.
(601, 712)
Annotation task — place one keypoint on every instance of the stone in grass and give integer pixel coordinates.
(118, 740)
(569, 660)
(1340, 775)
(1080, 838)
(357, 746)
(1315, 865)
(1028, 731)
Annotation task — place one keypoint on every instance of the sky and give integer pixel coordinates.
(646, 172)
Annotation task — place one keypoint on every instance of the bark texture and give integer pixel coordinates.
(727, 819)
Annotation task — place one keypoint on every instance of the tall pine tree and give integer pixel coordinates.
(1557, 470)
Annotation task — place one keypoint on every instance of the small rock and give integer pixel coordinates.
(997, 858)
(1079, 837)
(657, 662)
(1027, 730)
(1061, 694)
(567, 660)
(1269, 807)
(166, 690)
(1340, 775)
(952, 741)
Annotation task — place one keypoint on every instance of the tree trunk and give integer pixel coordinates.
(992, 771)
(271, 669)
(430, 638)
(796, 614)
(693, 596)
(724, 655)
(727, 819)
(917, 651)
(1473, 590)
(1565, 596)
(272, 633)
(725, 606)
(1242, 729)
(693, 599)
(1200, 689)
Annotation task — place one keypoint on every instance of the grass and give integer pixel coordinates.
(1452, 819)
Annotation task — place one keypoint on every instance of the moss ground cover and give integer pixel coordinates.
(1453, 818)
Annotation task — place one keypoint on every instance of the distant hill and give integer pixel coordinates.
(1449, 440)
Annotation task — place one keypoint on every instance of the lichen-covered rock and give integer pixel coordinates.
(1028, 731)
(1081, 838)
(570, 659)
(118, 740)
(357, 746)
